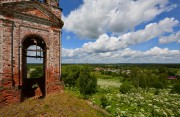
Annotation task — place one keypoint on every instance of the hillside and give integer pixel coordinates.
(54, 105)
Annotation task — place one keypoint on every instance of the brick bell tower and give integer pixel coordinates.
(23, 24)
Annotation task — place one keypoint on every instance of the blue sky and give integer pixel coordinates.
(121, 31)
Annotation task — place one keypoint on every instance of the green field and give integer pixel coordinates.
(149, 93)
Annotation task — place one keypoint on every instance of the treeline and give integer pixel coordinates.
(142, 65)
(131, 76)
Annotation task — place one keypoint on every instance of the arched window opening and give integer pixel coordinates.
(35, 62)
(33, 67)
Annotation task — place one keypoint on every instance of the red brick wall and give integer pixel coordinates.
(9, 92)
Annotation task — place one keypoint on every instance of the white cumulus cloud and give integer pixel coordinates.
(154, 55)
(171, 38)
(95, 17)
(115, 49)
(107, 43)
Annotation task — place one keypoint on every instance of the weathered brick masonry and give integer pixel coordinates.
(24, 23)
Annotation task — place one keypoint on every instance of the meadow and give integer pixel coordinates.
(137, 102)
(150, 92)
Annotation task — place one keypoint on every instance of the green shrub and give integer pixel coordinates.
(70, 75)
(104, 101)
(86, 82)
(121, 79)
(158, 85)
(176, 88)
(125, 87)
(157, 92)
(38, 73)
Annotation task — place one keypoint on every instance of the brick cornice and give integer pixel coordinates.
(8, 9)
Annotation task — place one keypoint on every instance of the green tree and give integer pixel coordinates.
(86, 82)
(143, 80)
(125, 87)
(176, 88)
(70, 75)
(38, 73)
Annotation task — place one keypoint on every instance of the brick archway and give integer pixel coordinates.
(34, 22)
(28, 89)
